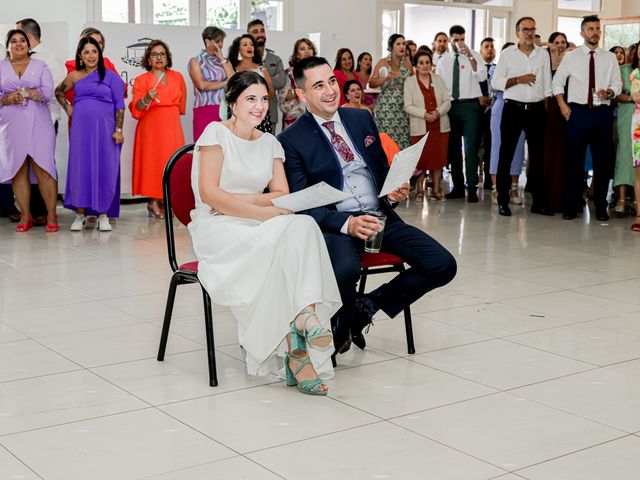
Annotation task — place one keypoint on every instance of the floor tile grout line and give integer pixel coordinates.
(20, 460)
(625, 432)
(572, 453)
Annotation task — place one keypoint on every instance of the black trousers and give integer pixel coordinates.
(430, 266)
(593, 127)
(516, 118)
(485, 157)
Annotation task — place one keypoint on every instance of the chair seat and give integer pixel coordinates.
(369, 260)
(190, 266)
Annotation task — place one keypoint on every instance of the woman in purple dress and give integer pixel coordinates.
(95, 140)
(27, 137)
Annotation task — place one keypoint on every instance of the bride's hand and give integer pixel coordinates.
(269, 212)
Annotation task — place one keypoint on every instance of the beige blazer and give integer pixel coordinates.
(414, 104)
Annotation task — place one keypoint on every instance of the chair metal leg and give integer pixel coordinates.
(211, 348)
(363, 280)
(409, 328)
(168, 311)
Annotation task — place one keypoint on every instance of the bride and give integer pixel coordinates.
(269, 267)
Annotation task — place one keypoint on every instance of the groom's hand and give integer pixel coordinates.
(399, 194)
(363, 226)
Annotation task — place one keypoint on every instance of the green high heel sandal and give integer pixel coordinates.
(316, 336)
(310, 387)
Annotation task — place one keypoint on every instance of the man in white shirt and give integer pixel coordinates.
(488, 54)
(524, 75)
(462, 71)
(440, 47)
(593, 77)
(58, 72)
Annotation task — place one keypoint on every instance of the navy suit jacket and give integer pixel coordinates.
(310, 158)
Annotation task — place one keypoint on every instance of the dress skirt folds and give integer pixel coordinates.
(264, 272)
(93, 175)
(26, 130)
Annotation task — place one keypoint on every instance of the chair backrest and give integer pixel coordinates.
(178, 195)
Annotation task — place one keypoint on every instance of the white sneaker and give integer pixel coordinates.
(78, 223)
(103, 223)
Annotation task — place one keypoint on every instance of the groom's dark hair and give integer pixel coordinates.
(306, 64)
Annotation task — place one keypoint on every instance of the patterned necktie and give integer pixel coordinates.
(592, 79)
(455, 89)
(338, 142)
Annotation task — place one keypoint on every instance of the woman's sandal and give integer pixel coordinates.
(23, 227)
(52, 227)
(620, 209)
(316, 336)
(636, 226)
(310, 387)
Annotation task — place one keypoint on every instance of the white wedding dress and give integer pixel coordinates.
(265, 272)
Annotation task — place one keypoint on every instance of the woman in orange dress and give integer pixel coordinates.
(159, 98)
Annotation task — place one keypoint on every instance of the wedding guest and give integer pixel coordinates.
(290, 104)
(624, 174)
(440, 46)
(410, 50)
(621, 55)
(523, 73)
(365, 61)
(593, 77)
(462, 71)
(209, 71)
(27, 136)
(427, 102)
(344, 70)
(635, 133)
(244, 56)
(555, 151)
(95, 140)
(272, 64)
(58, 72)
(354, 95)
(488, 54)
(390, 74)
(159, 99)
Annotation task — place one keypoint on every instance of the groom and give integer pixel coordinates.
(341, 147)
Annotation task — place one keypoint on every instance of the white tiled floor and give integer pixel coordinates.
(527, 364)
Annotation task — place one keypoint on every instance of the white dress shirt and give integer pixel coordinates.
(514, 63)
(575, 68)
(469, 80)
(437, 57)
(357, 178)
(58, 72)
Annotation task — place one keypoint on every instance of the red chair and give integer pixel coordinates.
(178, 202)
(373, 263)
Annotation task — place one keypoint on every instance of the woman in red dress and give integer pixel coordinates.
(427, 102)
(345, 70)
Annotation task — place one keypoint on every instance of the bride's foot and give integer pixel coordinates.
(306, 326)
(300, 373)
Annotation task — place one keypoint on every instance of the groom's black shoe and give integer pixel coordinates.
(365, 310)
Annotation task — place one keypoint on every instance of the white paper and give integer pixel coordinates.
(317, 195)
(403, 165)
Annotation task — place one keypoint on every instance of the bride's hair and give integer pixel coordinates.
(239, 82)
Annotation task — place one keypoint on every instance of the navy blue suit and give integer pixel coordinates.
(310, 158)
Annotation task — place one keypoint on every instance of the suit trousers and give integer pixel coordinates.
(430, 266)
(594, 127)
(516, 118)
(464, 117)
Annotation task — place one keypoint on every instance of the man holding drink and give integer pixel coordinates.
(341, 147)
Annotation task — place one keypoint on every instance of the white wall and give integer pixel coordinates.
(343, 23)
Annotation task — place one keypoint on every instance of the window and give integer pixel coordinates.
(121, 11)
(171, 12)
(489, 3)
(223, 13)
(269, 11)
(499, 32)
(584, 5)
(390, 25)
(570, 26)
